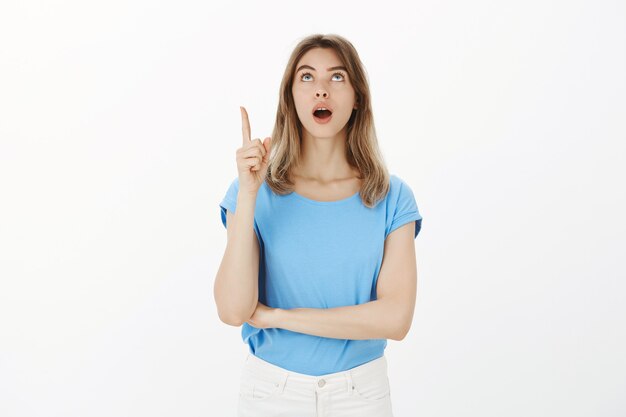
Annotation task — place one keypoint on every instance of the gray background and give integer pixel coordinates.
(119, 123)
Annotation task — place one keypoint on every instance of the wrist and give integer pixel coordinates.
(278, 317)
(247, 197)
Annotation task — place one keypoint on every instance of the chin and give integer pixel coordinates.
(323, 132)
(328, 130)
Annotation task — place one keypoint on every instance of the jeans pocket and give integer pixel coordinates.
(255, 388)
(371, 387)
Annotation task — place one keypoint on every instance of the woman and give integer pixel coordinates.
(329, 273)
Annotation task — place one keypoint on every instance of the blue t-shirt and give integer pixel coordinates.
(320, 254)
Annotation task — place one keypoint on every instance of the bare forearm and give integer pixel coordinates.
(236, 284)
(378, 319)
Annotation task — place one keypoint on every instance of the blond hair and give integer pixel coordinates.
(362, 151)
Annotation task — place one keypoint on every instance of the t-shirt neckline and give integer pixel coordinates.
(325, 203)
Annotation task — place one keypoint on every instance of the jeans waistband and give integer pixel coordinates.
(337, 381)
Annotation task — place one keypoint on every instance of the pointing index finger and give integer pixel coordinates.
(245, 125)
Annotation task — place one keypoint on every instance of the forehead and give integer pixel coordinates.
(320, 58)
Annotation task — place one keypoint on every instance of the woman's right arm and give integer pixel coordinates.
(236, 287)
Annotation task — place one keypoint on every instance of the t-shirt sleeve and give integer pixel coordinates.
(405, 210)
(229, 202)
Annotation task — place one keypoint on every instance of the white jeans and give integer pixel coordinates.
(267, 390)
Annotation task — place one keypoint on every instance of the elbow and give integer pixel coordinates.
(231, 321)
(401, 330)
(235, 319)
(233, 314)
(400, 335)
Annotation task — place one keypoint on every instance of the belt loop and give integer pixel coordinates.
(349, 383)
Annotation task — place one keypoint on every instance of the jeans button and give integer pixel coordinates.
(321, 383)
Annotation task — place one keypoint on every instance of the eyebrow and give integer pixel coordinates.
(327, 69)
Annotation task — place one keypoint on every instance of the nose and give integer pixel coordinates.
(321, 93)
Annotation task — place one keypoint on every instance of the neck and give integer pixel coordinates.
(324, 158)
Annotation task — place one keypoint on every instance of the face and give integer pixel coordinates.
(321, 79)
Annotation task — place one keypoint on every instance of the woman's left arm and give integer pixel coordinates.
(388, 317)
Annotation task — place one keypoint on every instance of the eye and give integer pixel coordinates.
(340, 74)
(304, 74)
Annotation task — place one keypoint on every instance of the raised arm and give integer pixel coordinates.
(236, 289)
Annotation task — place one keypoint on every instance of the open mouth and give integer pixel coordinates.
(322, 114)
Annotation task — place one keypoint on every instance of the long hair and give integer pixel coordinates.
(362, 151)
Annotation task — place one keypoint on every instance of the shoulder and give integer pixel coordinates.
(401, 196)
(401, 206)
(395, 181)
(398, 186)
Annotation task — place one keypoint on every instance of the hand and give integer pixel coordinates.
(263, 317)
(252, 158)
